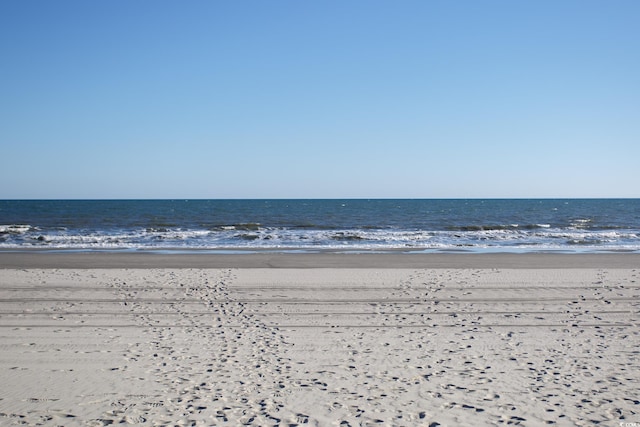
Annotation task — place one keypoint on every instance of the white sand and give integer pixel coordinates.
(331, 346)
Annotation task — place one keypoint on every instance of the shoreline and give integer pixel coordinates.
(102, 260)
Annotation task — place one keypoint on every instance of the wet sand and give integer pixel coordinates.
(324, 339)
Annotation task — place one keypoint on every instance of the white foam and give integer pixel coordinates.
(15, 228)
(541, 238)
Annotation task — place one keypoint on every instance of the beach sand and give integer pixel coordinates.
(324, 339)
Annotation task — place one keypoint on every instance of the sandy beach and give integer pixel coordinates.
(319, 339)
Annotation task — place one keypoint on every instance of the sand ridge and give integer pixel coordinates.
(304, 346)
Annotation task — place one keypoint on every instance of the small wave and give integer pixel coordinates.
(497, 227)
(249, 226)
(580, 223)
(583, 242)
(158, 230)
(171, 234)
(247, 236)
(16, 229)
(506, 227)
(346, 237)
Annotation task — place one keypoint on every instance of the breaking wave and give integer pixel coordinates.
(508, 238)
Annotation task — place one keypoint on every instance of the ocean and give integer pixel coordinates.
(448, 225)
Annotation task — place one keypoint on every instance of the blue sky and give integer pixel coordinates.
(319, 99)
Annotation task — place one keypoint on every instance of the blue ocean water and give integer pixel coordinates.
(529, 225)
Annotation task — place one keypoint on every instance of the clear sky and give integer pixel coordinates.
(319, 99)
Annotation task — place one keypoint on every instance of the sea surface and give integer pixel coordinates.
(520, 225)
